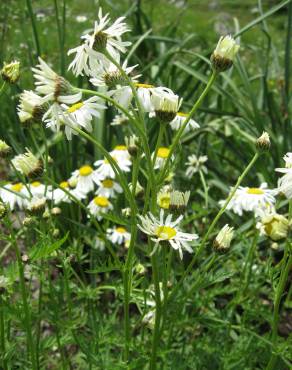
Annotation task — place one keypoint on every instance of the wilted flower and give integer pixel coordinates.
(263, 142)
(28, 164)
(179, 200)
(31, 107)
(224, 54)
(36, 206)
(196, 164)
(165, 103)
(223, 239)
(10, 72)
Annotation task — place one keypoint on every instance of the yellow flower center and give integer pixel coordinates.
(181, 114)
(85, 171)
(120, 147)
(101, 201)
(121, 230)
(165, 232)
(64, 184)
(36, 184)
(75, 107)
(107, 183)
(17, 187)
(164, 201)
(255, 191)
(145, 86)
(163, 152)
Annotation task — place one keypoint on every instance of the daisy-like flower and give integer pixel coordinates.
(165, 103)
(161, 230)
(118, 235)
(105, 169)
(285, 183)
(5, 149)
(196, 164)
(119, 119)
(258, 200)
(85, 179)
(109, 188)
(80, 115)
(99, 205)
(144, 93)
(31, 107)
(102, 39)
(58, 195)
(179, 120)
(120, 153)
(162, 155)
(37, 189)
(275, 226)
(28, 164)
(52, 86)
(14, 195)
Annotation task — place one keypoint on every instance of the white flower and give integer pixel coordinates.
(162, 155)
(223, 239)
(258, 200)
(81, 114)
(179, 120)
(99, 244)
(118, 235)
(38, 189)
(28, 164)
(54, 87)
(119, 119)
(274, 226)
(31, 107)
(99, 205)
(59, 196)
(103, 37)
(144, 93)
(285, 183)
(120, 153)
(105, 169)
(85, 179)
(14, 195)
(166, 230)
(196, 164)
(108, 188)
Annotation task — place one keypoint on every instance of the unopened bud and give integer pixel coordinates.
(223, 239)
(10, 72)
(5, 149)
(263, 143)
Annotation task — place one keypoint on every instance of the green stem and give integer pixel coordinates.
(202, 177)
(181, 130)
(34, 27)
(2, 334)
(213, 224)
(27, 314)
(2, 87)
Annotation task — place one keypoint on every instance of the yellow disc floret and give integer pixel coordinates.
(101, 202)
(85, 170)
(64, 184)
(165, 232)
(145, 86)
(120, 147)
(255, 191)
(17, 187)
(107, 183)
(121, 230)
(36, 184)
(163, 152)
(75, 107)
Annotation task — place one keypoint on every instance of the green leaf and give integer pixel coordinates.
(42, 250)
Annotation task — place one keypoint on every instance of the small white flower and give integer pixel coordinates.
(14, 195)
(166, 230)
(38, 189)
(285, 183)
(103, 37)
(257, 200)
(99, 205)
(59, 196)
(118, 235)
(162, 155)
(81, 18)
(196, 164)
(109, 188)
(85, 179)
(179, 120)
(120, 153)
(52, 86)
(105, 169)
(165, 103)
(119, 119)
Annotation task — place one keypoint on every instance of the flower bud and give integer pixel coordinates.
(140, 269)
(36, 206)
(179, 201)
(275, 226)
(28, 164)
(263, 143)
(132, 143)
(139, 191)
(10, 72)
(223, 239)
(56, 211)
(3, 210)
(5, 149)
(224, 54)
